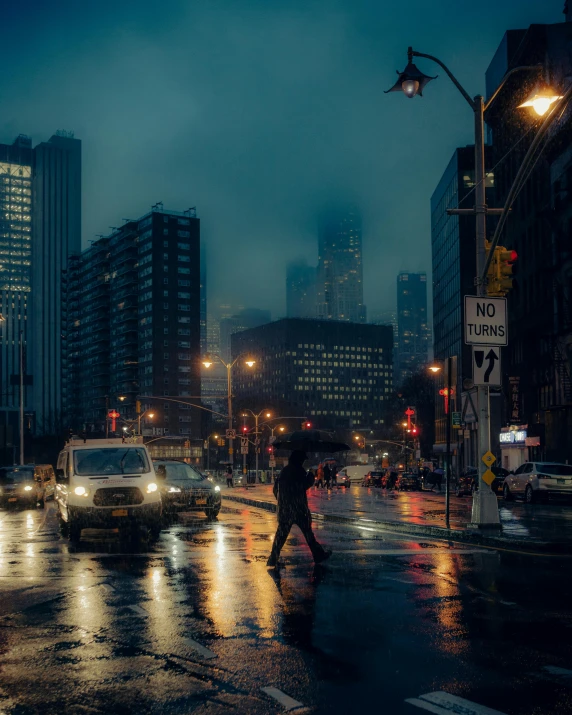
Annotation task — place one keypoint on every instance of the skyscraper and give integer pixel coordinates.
(412, 328)
(15, 274)
(300, 290)
(340, 272)
(56, 235)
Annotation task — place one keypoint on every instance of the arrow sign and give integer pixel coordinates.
(486, 365)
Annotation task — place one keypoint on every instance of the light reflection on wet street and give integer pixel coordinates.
(196, 623)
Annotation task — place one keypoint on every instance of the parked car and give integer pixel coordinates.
(468, 481)
(535, 480)
(185, 488)
(407, 481)
(106, 483)
(373, 479)
(343, 480)
(25, 486)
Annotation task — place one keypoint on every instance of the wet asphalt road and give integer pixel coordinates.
(196, 624)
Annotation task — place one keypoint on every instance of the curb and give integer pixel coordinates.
(437, 532)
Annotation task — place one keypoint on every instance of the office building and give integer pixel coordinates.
(340, 271)
(538, 360)
(204, 337)
(56, 235)
(15, 279)
(134, 309)
(245, 319)
(300, 290)
(412, 327)
(336, 373)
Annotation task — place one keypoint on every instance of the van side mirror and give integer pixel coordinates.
(61, 477)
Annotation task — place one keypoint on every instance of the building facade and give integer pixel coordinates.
(300, 290)
(15, 278)
(454, 269)
(337, 373)
(538, 360)
(340, 270)
(412, 326)
(134, 310)
(56, 235)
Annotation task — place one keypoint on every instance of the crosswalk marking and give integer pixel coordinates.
(442, 703)
(200, 649)
(286, 701)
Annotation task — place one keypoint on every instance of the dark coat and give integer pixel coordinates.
(290, 491)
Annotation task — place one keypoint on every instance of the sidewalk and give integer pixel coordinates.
(537, 527)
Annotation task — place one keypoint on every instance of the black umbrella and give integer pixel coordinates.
(311, 440)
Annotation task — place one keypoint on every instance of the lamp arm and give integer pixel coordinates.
(504, 79)
(451, 76)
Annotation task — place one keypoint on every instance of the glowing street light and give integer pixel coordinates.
(541, 99)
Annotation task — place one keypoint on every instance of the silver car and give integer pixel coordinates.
(535, 480)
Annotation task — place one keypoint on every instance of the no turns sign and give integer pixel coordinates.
(485, 321)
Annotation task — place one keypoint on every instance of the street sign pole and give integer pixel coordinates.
(448, 457)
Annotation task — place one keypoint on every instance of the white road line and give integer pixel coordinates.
(555, 670)
(139, 611)
(107, 587)
(200, 649)
(440, 702)
(285, 700)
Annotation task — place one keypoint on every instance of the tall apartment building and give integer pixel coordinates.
(340, 271)
(15, 276)
(335, 372)
(412, 326)
(300, 290)
(134, 315)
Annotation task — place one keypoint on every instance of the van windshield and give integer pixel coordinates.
(107, 462)
(561, 470)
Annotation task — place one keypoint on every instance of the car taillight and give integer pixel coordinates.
(544, 476)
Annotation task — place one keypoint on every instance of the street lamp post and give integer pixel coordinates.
(412, 82)
(256, 416)
(139, 416)
(208, 362)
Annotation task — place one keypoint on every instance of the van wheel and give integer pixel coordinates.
(74, 532)
(212, 513)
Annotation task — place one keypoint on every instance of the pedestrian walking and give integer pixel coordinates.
(229, 481)
(311, 474)
(334, 475)
(327, 476)
(320, 476)
(290, 491)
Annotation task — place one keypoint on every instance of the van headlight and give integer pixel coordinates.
(174, 489)
(28, 488)
(80, 491)
(217, 488)
(151, 487)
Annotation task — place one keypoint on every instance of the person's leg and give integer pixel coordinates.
(280, 537)
(304, 522)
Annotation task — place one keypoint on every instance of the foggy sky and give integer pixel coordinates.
(257, 113)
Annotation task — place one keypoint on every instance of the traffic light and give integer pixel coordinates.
(138, 407)
(245, 428)
(306, 425)
(500, 275)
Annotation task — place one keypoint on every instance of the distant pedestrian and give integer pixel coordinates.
(311, 474)
(437, 478)
(327, 476)
(229, 481)
(320, 476)
(334, 475)
(290, 491)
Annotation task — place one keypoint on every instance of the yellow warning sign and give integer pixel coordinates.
(488, 477)
(489, 458)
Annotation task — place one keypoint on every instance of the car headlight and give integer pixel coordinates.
(151, 487)
(28, 488)
(80, 491)
(217, 488)
(171, 489)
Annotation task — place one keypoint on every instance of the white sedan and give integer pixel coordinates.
(534, 480)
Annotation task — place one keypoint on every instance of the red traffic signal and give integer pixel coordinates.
(245, 428)
(306, 425)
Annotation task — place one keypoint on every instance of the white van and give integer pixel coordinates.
(106, 483)
(357, 472)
